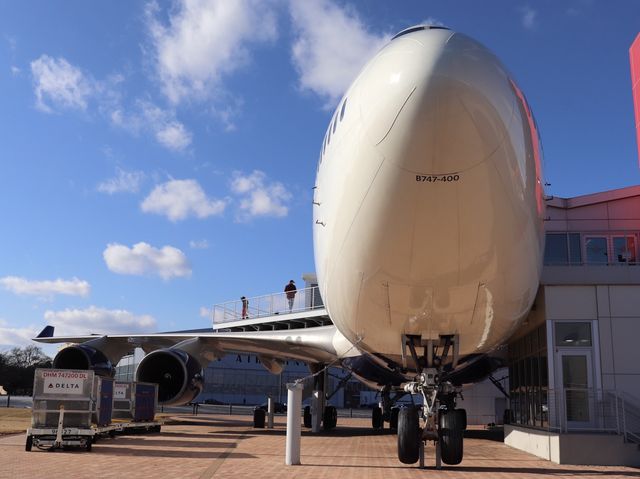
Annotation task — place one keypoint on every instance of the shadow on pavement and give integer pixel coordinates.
(182, 454)
(495, 434)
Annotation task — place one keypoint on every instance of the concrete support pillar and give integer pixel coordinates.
(294, 427)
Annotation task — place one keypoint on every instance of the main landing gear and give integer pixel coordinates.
(386, 411)
(319, 412)
(444, 424)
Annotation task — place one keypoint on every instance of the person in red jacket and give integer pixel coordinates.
(291, 290)
(245, 307)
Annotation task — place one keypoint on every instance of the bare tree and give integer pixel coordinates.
(27, 357)
(17, 368)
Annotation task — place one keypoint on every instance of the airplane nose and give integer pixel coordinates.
(454, 110)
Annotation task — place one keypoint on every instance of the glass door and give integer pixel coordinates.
(577, 384)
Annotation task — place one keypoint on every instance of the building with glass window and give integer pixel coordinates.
(574, 366)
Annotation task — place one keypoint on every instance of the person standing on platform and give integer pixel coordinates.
(245, 307)
(291, 290)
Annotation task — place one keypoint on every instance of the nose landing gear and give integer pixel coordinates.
(443, 423)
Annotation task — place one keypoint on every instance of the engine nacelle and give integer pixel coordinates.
(177, 373)
(81, 356)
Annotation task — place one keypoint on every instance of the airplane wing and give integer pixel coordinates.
(311, 338)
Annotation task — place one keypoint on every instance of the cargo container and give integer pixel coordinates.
(136, 401)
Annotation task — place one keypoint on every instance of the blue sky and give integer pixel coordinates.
(157, 158)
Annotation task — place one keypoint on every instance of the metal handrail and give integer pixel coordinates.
(630, 416)
(305, 299)
(605, 410)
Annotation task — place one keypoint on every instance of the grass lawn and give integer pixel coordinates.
(14, 420)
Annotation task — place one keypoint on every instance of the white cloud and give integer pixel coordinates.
(124, 182)
(147, 116)
(98, 320)
(15, 71)
(217, 315)
(204, 40)
(143, 259)
(15, 336)
(199, 244)
(432, 21)
(60, 85)
(258, 197)
(529, 17)
(168, 131)
(331, 46)
(179, 199)
(47, 288)
(57, 83)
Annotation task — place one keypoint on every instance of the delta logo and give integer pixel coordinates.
(63, 386)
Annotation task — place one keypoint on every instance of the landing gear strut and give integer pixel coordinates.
(443, 423)
(320, 412)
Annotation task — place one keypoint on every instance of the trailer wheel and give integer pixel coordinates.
(88, 445)
(29, 443)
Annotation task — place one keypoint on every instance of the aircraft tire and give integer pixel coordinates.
(29, 443)
(306, 417)
(330, 418)
(258, 418)
(393, 418)
(463, 413)
(408, 435)
(451, 434)
(377, 419)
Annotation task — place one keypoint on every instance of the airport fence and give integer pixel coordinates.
(242, 410)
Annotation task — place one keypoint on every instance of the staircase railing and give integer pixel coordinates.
(629, 414)
(594, 410)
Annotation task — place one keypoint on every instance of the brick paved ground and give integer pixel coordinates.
(209, 446)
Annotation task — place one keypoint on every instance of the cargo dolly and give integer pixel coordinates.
(61, 437)
(73, 408)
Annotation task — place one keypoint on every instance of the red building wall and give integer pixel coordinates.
(634, 54)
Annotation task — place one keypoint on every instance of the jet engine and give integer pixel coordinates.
(81, 356)
(177, 373)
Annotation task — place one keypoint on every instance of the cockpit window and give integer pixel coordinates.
(344, 106)
(418, 28)
(335, 122)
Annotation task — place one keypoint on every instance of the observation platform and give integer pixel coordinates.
(272, 312)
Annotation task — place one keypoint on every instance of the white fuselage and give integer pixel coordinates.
(428, 207)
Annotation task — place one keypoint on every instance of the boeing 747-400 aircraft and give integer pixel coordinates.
(428, 234)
